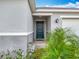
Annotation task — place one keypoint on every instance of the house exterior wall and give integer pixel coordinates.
(57, 15)
(53, 19)
(73, 24)
(68, 17)
(13, 43)
(15, 17)
(48, 25)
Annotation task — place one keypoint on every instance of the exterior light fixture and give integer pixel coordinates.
(57, 20)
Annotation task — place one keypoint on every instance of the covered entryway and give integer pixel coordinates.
(41, 27)
(72, 23)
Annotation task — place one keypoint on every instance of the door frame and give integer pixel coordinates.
(35, 28)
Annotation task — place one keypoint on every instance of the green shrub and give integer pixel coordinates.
(8, 56)
(28, 56)
(38, 53)
(15, 54)
(19, 54)
(62, 44)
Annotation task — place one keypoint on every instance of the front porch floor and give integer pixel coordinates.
(39, 44)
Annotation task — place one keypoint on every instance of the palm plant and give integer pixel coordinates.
(62, 44)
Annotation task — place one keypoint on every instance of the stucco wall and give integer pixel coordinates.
(48, 25)
(73, 24)
(15, 17)
(55, 25)
(13, 43)
(61, 20)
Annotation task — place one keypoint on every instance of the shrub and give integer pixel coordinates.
(19, 54)
(62, 44)
(38, 53)
(15, 54)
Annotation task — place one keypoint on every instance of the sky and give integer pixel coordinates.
(58, 3)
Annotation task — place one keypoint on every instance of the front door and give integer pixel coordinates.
(40, 30)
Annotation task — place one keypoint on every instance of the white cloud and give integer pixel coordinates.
(69, 5)
(77, 4)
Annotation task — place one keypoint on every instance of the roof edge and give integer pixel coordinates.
(57, 8)
(32, 5)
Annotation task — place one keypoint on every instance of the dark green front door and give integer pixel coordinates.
(40, 30)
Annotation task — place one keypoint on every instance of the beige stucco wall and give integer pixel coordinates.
(15, 17)
(73, 24)
(53, 19)
(63, 22)
(48, 25)
(70, 22)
